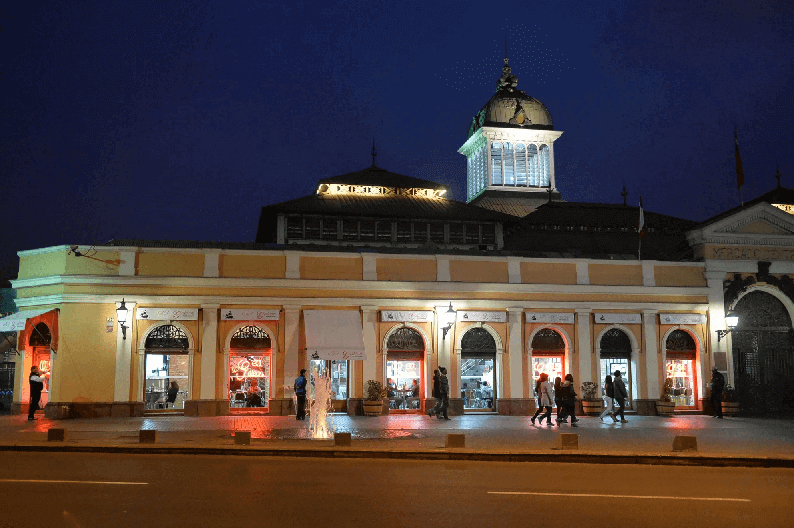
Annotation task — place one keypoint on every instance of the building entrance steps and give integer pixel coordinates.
(487, 436)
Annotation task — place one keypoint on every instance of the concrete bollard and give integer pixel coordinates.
(568, 441)
(685, 443)
(147, 436)
(342, 439)
(456, 440)
(242, 438)
(55, 434)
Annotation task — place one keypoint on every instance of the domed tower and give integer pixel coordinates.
(510, 151)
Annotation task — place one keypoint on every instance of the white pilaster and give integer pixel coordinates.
(582, 273)
(648, 278)
(211, 263)
(584, 349)
(293, 270)
(444, 346)
(515, 319)
(369, 265)
(442, 269)
(721, 354)
(121, 387)
(514, 270)
(650, 389)
(370, 328)
(127, 266)
(209, 350)
(291, 333)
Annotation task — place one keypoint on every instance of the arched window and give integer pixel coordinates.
(615, 342)
(548, 340)
(521, 165)
(510, 174)
(532, 166)
(496, 163)
(40, 336)
(545, 166)
(405, 338)
(250, 337)
(680, 342)
(478, 340)
(167, 336)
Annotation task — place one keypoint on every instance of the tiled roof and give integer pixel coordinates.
(382, 178)
(518, 204)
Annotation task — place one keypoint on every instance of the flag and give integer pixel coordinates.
(641, 222)
(739, 170)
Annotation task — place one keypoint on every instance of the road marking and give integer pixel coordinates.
(77, 482)
(663, 497)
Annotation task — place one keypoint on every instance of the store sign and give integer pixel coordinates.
(167, 314)
(682, 319)
(612, 318)
(485, 317)
(250, 315)
(549, 317)
(397, 316)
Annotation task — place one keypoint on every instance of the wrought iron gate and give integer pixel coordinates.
(763, 362)
(7, 369)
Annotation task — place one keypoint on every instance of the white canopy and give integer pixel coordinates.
(17, 321)
(334, 334)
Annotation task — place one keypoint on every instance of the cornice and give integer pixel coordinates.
(522, 135)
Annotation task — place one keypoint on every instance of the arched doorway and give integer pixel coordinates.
(680, 357)
(166, 367)
(548, 355)
(763, 355)
(477, 370)
(405, 352)
(615, 354)
(39, 343)
(250, 352)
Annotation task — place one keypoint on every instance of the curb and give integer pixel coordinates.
(454, 455)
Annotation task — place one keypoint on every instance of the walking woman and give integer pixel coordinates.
(568, 399)
(609, 396)
(537, 392)
(545, 399)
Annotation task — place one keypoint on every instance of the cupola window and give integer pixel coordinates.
(496, 163)
(509, 171)
(521, 165)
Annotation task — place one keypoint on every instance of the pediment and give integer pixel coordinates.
(762, 224)
(758, 226)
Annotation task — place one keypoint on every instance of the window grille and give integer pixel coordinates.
(294, 228)
(330, 229)
(532, 166)
(455, 233)
(383, 231)
(312, 228)
(478, 340)
(548, 340)
(403, 232)
(349, 229)
(521, 165)
(250, 337)
(367, 230)
(405, 338)
(437, 232)
(510, 174)
(680, 341)
(545, 167)
(615, 343)
(167, 336)
(40, 336)
(496, 163)
(472, 232)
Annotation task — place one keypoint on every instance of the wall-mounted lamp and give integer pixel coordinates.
(731, 321)
(449, 320)
(122, 312)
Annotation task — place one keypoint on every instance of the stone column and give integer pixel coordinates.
(370, 328)
(291, 352)
(649, 366)
(209, 350)
(584, 348)
(121, 390)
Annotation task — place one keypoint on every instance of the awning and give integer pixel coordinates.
(17, 321)
(334, 334)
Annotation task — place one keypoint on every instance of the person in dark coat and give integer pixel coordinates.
(37, 379)
(569, 399)
(173, 391)
(540, 408)
(436, 392)
(300, 393)
(558, 400)
(717, 386)
(444, 393)
(621, 395)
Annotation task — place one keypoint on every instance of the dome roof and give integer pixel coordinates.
(510, 107)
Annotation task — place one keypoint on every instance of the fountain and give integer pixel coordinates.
(320, 423)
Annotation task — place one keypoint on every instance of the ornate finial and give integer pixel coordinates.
(373, 152)
(777, 176)
(507, 81)
(624, 194)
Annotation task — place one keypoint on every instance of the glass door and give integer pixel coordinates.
(477, 382)
(337, 370)
(249, 381)
(682, 372)
(609, 366)
(167, 381)
(404, 383)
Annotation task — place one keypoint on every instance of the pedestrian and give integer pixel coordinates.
(609, 397)
(540, 409)
(444, 392)
(621, 395)
(37, 379)
(558, 400)
(544, 399)
(300, 393)
(436, 392)
(717, 386)
(569, 399)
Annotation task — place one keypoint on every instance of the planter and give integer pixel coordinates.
(373, 408)
(664, 408)
(593, 407)
(730, 408)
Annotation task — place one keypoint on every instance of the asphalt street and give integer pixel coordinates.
(87, 490)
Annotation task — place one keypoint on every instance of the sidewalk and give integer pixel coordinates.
(644, 439)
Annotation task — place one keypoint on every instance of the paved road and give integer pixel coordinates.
(105, 490)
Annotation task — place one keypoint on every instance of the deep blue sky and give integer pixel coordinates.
(179, 120)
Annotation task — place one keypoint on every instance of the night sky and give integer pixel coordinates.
(179, 120)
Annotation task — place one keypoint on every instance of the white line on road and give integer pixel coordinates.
(76, 482)
(663, 497)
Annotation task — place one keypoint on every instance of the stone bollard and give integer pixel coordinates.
(147, 436)
(342, 439)
(456, 440)
(685, 443)
(242, 438)
(568, 441)
(56, 435)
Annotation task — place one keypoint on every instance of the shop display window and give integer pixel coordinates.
(551, 365)
(249, 381)
(681, 371)
(477, 382)
(167, 380)
(404, 383)
(337, 370)
(608, 368)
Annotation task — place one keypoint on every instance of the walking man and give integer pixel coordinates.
(717, 386)
(300, 393)
(444, 392)
(436, 392)
(37, 379)
(621, 395)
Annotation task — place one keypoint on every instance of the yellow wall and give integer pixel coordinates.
(679, 276)
(256, 266)
(86, 357)
(477, 271)
(170, 264)
(542, 273)
(331, 268)
(615, 274)
(412, 270)
(42, 265)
